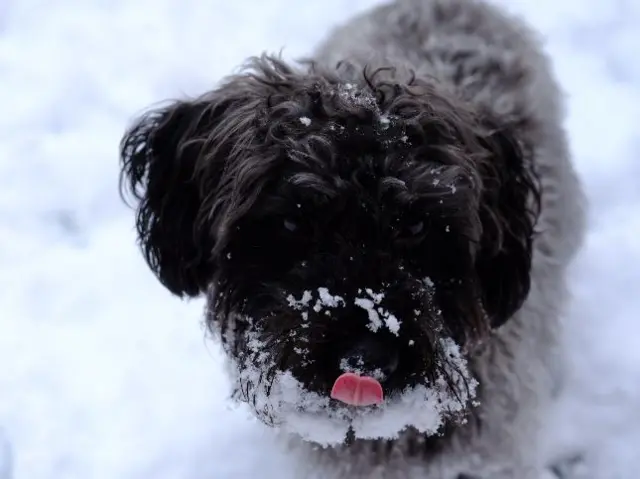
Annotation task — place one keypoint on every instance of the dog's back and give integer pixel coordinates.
(492, 60)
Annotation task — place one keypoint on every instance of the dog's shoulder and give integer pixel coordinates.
(478, 50)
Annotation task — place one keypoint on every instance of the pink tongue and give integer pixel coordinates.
(357, 390)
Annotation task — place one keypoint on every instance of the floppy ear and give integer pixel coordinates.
(195, 167)
(509, 208)
(159, 158)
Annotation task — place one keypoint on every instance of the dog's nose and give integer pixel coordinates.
(371, 357)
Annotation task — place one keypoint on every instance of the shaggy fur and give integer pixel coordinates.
(419, 153)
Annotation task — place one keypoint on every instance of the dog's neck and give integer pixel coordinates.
(366, 457)
(410, 444)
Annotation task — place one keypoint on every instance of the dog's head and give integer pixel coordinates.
(375, 227)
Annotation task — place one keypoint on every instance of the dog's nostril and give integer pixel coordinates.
(371, 357)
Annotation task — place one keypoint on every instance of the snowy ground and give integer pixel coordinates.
(103, 374)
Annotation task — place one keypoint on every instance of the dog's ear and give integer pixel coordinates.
(160, 155)
(509, 208)
(196, 167)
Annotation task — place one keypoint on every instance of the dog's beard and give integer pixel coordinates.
(275, 368)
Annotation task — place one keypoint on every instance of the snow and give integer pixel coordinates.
(423, 408)
(325, 300)
(285, 402)
(104, 374)
(377, 315)
(297, 411)
(6, 459)
(350, 94)
(370, 302)
(289, 405)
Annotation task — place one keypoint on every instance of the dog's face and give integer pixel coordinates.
(375, 228)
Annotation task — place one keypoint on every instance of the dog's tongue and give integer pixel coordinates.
(357, 390)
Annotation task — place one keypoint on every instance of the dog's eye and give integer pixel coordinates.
(290, 225)
(416, 228)
(408, 233)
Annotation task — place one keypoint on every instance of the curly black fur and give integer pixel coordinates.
(285, 180)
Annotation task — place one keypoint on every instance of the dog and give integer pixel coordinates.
(382, 233)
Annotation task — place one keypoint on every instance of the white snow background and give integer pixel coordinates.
(103, 374)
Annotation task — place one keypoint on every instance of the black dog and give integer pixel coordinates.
(366, 214)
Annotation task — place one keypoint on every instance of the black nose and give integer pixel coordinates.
(371, 356)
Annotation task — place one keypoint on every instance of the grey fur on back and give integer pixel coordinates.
(495, 61)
